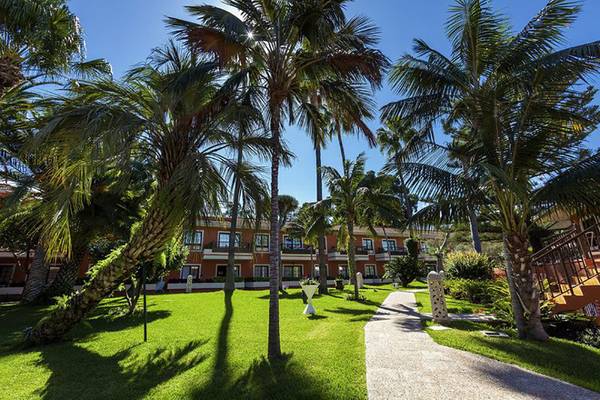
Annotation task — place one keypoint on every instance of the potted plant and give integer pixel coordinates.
(309, 287)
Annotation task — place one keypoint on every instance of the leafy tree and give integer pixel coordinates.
(516, 103)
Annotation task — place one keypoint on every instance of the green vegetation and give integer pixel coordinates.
(455, 306)
(558, 358)
(196, 349)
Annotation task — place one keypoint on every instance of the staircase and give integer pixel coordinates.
(568, 270)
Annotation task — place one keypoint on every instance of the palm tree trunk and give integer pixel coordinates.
(274, 342)
(514, 300)
(321, 238)
(36, 279)
(523, 282)
(342, 151)
(351, 250)
(67, 276)
(229, 275)
(474, 224)
(146, 243)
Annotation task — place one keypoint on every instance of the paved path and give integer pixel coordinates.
(403, 362)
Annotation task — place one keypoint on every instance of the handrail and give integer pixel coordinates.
(567, 263)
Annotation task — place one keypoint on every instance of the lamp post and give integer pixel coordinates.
(144, 289)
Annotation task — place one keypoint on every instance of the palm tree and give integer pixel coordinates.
(353, 194)
(267, 45)
(112, 209)
(248, 187)
(168, 113)
(514, 100)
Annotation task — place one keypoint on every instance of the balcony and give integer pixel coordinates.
(297, 253)
(194, 247)
(385, 255)
(219, 251)
(362, 254)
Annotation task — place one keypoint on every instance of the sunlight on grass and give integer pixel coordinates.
(455, 306)
(195, 350)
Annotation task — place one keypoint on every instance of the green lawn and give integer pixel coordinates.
(454, 306)
(562, 359)
(195, 350)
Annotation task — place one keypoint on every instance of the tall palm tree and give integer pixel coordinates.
(514, 100)
(266, 45)
(248, 189)
(168, 113)
(353, 194)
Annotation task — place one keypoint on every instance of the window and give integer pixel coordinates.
(6, 274)
(193, 239)
(317, 271)
(222, 270)
(370, 271)
(292, 271)
(261, 271)
(367, 244)
(223, 239)
(52, 272)
(190, 269)
(388, 245)
(261, 242)
(290, 242)
(343, 271)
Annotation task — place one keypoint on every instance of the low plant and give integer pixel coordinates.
(309, 281)
(404, 268)
(360, 299)
(468, 265)
(590, 337)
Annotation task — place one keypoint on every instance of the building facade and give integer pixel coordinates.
(208, 252)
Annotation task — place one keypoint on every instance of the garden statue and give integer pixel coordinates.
(359, 280)
(188, 285)
(439, 311)
(309, 287)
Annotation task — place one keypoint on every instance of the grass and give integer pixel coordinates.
(200, 346)
(454, 306)
(558, 358)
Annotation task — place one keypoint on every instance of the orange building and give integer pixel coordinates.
(207, 259)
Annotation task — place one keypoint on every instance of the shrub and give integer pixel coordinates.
(475, 291)
(468, 265)
(404, 268)
(590, 336)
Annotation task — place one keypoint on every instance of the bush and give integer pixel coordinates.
(475, 291)
(590, 336)
(468, 265)
(404, 268)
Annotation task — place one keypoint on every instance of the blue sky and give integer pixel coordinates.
(125, 31)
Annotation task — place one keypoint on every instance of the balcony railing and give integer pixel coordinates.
(296, 250)
(358, 250)
(401, 251)
(194, 246)
(223, 247)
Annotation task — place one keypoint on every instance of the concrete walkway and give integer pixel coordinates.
(403, 362)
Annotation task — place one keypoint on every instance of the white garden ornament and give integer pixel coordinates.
(188, 285)
(309, 290)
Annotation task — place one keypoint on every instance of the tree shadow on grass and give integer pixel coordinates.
(77, 372)
(282, 379)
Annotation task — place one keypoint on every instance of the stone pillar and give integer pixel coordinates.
(439, 311)
(188, 285)
(359, 280)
